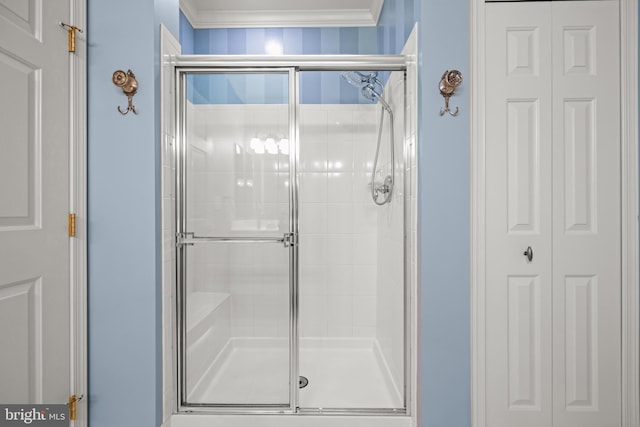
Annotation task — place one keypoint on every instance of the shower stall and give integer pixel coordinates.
(295, 237)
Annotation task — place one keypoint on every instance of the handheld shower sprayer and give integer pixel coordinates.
(370, 88)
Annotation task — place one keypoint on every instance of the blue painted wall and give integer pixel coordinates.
(326, 87)
(443, 156)
(186, 35)
(315, 88)
(294, 41)
(123, 207)
(396, 22)
(444, 219)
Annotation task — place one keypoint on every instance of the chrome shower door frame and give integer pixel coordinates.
(185, 238)
(293, 65)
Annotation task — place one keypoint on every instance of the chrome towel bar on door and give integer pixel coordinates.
(288, 239)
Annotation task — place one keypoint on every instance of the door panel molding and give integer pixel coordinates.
(629, 206)
(20, 170)
(524, 349)
(21, 304)
(25, 15)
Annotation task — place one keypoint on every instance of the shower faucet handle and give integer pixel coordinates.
(386, 186)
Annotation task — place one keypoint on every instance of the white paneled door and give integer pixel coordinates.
(553, 240)
(34, 202)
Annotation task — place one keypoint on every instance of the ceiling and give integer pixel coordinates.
(281, 13)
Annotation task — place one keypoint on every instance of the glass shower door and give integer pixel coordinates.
(235, 241)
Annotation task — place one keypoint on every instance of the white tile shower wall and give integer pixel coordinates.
(247, 186)
(208, 305)
(337, 221)
(390, 241)
(240, 188)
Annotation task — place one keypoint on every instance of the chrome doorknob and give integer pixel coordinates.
(528, 253)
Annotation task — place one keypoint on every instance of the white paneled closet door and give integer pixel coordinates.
(552, 110)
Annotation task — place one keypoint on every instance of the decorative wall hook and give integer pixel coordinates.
(448, 84)
(127, 81)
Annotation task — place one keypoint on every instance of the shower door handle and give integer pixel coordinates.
(290, 239)
(188, 239)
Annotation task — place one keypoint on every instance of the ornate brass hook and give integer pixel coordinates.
(448, 84)
(127, 81)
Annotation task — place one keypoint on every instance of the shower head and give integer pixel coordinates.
(369, 85)
(358, 79)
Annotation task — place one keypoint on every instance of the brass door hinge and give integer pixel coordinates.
(71, 38)
(72, 225)
(73, 406)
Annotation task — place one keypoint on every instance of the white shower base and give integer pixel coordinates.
(346, 374)
(342, 373)
(192, 420)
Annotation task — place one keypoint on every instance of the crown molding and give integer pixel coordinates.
(347, 17)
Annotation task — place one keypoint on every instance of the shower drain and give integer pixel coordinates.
(303, 381)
